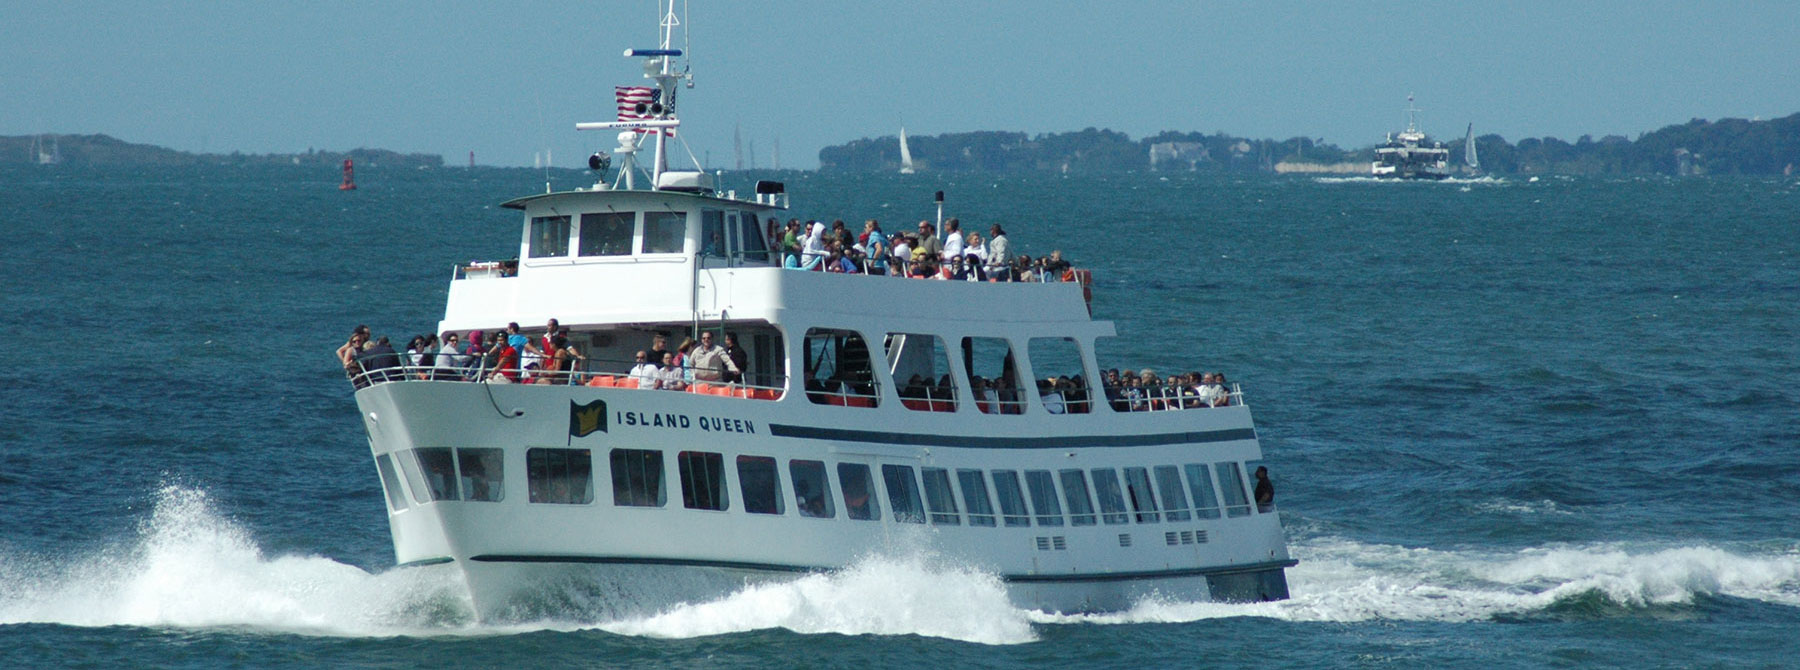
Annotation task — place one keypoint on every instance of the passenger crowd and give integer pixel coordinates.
(926, 254)
(510, 357)
(1144, 391)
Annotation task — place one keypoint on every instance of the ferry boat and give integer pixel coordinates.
(973, 427)
(1409, 154)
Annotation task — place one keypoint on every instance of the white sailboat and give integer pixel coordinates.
(906, 162)
(1470, 160)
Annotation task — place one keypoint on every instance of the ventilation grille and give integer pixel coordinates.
(1124, 539)
(1184, 537)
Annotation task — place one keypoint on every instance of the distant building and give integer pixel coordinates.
(1184, 155)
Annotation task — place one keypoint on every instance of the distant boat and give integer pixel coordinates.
(1470, 160)
(1410, 154)
(906, 164)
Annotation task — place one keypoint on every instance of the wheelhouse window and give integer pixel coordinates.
(1200, 484)
(637, 477)
(858, 492)
(903, 493)
(549, 236)
(812, 490)
(480, 474)
(1061, 384)
(1143, 500)
(939, 498)
(1168, 484)
(1043, 497)
(1012, 498)
(1112, 498)
(560, 476)
(390, 482)
(837, 369)
(1075, 493)
(750, 240)
(920, 366)
(665, 233)
(975, 497)
(606, 233)
(993, 375)
(760, 482)
(702, 480)
(712, 234)
(1231, 484)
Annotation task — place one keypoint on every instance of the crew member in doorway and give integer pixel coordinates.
(1265, 490)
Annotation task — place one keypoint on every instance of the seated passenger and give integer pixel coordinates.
(1052, 396)
(644, 372)
(669, 378)
(1023, 270)
(1055, 267)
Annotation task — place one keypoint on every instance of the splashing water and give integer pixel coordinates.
(190, 567)
(911, 594)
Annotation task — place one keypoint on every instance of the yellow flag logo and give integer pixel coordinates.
(586, 419)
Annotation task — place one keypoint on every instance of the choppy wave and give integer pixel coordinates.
(191, 567)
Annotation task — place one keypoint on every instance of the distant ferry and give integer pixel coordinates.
(854, 413)
(1409, 154)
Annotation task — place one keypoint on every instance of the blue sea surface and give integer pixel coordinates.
(1512, 423)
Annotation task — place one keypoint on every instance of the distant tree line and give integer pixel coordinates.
(106, 150)
(1726, 146)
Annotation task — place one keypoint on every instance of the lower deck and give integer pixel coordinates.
(514, 474)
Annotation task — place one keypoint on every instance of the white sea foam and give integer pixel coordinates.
(911, 594)
(190, 567)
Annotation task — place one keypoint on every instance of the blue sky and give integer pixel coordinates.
(506, 80)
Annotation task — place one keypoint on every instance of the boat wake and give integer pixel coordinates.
(1484, 179)
(191, 567)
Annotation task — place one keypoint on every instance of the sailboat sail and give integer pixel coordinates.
(1469, 157)
(906, 163)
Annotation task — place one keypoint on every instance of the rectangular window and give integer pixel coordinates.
(1206, 505)
(549, 236)
(1112, 498)
(858, 492)
(1231, 484)
(560, 476)
(712, 233)
(702, 480)
(1168, 484)
(440, 472)
(1043, 497)
(665, 233)
(482, 475)
(920, 366)
(750, 239)
(1143, 500)
(760, 483)
(812, 490)
(1061, 386)
(409, 464)
(606, 233)
(903, 493)
(939, 498)
(1075, 493)
(390, 482)
(637, 478)
(1012, 500)
(993, 375)
(837, 368)
(975, 497)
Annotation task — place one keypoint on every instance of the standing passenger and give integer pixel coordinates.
(999, 255)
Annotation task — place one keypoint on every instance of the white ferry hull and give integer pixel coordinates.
(523, 559)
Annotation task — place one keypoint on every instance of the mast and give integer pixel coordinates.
(657, 117)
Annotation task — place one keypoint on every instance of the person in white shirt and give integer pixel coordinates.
(669, 378)
(953, 238)
(999, 255)
(644, 372)
(710, 361)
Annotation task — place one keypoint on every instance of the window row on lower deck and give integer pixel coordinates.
(940, 496)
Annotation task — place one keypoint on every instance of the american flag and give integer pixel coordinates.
(634, 98)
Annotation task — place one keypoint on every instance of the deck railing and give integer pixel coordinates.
(1164, 398)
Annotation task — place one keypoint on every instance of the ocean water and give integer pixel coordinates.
(1512, 423)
